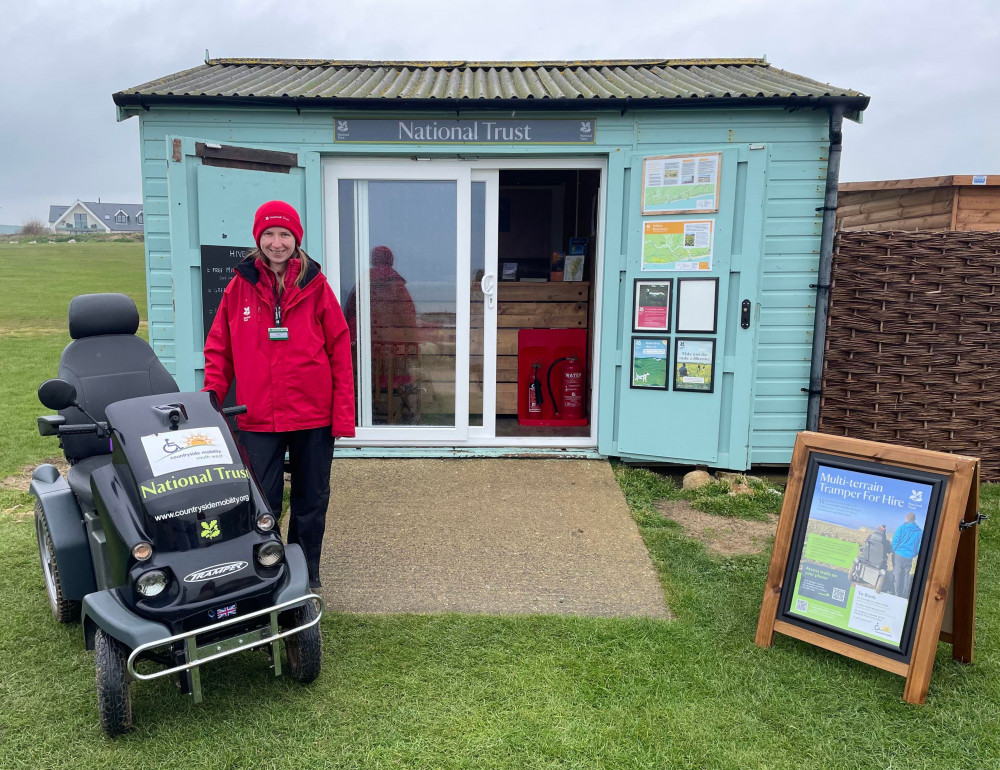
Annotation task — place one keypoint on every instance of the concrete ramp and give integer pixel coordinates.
(497, 536)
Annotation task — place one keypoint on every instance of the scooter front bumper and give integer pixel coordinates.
(106, 610)
(197, 654)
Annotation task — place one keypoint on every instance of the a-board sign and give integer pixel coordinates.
(217, 266)
(217, 263)
(870, 543)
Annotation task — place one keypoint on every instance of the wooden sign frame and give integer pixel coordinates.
(945, 574)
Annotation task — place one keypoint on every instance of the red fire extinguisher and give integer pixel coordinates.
(535, 392)
(571, 390)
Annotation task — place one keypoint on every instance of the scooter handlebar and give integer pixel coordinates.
(231, 410)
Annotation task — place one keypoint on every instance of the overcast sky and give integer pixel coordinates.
(931, 68)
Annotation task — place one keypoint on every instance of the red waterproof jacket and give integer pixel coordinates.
(306, 381)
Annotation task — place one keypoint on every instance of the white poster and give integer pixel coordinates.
(178, 450)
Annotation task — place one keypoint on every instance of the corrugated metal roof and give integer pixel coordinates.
(543, 84)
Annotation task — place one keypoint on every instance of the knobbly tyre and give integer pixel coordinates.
(158, 539)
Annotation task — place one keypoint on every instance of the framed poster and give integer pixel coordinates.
(697, 305)
(860, 545)
(681, 184)
(650, 362)
(651, 305)
(865, 554)
(677, 245)
(694, 364)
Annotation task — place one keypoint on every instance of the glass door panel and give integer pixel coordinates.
(403, 238)
(477, 266)
(483, 305)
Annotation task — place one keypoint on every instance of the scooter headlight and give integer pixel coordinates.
(151, 583)
(265, 522)
(270, 554)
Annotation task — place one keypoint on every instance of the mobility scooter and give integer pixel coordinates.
(870, 567)
(158, 539)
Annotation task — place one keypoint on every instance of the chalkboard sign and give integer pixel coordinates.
(217, 263)
(872, 542)
(217, 266)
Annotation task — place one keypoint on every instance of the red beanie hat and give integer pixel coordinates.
(277, 214)
(382, 255)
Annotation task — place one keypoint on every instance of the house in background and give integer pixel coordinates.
(930, 203)
(96, 217)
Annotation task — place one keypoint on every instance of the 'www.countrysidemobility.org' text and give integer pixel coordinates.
(205, 507)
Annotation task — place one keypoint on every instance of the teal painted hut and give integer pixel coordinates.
(616, 258)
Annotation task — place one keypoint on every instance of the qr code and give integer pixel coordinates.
(839, 595)
(801, 605)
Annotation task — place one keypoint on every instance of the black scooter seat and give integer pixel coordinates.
(79, 479)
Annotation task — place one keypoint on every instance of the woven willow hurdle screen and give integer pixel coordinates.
(913, 342)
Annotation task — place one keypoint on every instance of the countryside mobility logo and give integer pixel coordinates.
(178, 450)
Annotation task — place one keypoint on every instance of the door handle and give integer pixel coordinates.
(745, 314)
(489, 284)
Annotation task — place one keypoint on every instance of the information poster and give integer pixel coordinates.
(694, 365)
(651, 306)
(864, 540)
(649, 363)
(677, 245)
(680, 184)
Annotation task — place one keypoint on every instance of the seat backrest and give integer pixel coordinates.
(106, 362)
(875, 547)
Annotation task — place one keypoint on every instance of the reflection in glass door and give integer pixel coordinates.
(404, 240)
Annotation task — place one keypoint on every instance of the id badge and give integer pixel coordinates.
(278, 333)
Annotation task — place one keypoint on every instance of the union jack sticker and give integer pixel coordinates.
(222, 612)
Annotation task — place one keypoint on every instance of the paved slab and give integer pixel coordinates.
(498, 536)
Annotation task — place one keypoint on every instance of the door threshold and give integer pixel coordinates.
(534, 453)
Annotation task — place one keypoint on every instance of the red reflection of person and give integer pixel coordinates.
(392, 306)
(393, 321)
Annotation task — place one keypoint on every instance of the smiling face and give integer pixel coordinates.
(277, 244)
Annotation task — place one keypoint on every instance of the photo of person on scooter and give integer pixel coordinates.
(281, 333)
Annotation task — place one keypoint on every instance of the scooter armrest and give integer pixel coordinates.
(100, 428)
(48, 424)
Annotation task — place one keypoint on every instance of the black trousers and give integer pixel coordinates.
(310, 453)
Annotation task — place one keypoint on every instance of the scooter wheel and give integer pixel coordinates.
(64, 610)
(304, 650)
(114, 689)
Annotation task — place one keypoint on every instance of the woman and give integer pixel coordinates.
(281, 333)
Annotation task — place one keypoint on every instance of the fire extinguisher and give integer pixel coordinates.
(535, 391)
(571, 390)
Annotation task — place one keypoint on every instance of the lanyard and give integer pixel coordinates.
(277, 304)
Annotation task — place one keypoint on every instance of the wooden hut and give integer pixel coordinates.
(929, 203)
(664, 220)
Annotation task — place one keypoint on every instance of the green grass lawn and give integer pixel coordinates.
(41, 279)
(465, 691)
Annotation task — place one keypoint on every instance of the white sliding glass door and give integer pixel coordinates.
(416, 276)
